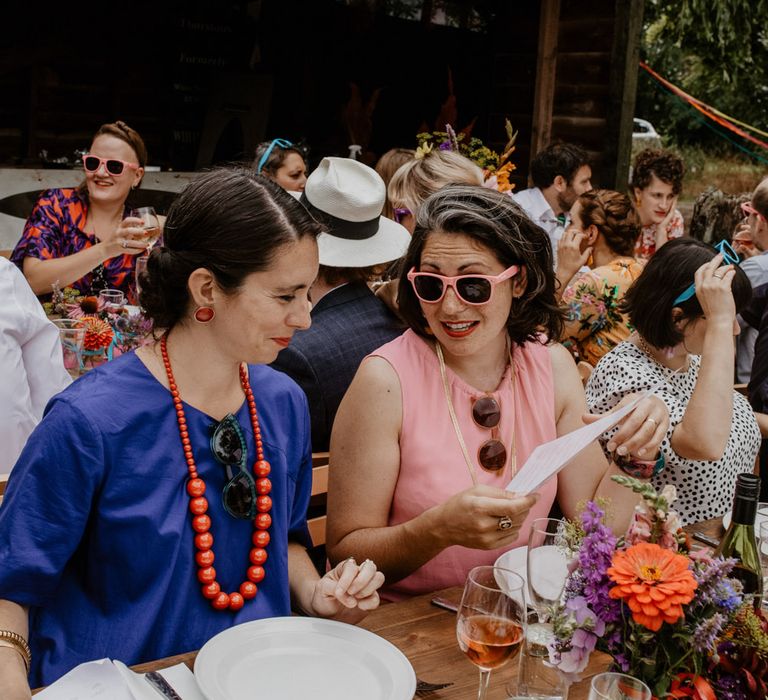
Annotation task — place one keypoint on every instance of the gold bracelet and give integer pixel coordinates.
(16, 641)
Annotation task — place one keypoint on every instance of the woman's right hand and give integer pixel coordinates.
(124, 239)
(570, 257)
(471, 518)
(713, 290)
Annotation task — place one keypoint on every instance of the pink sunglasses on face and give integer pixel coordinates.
(747, 209)
(113, 166)
(471, 289)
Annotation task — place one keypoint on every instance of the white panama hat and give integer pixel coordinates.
(349, 196)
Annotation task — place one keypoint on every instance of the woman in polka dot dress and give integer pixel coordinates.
(684, 341)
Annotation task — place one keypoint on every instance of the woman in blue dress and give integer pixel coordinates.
(147, 466)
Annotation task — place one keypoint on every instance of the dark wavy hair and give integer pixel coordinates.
(666, 166)
(494, 220)
(650, 299)
(563, 159)
(613, 215)
(229, 221)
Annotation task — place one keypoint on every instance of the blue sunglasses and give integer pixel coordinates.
(282, 143)
(730, 257)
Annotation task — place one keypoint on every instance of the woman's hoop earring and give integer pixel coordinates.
(204, 314)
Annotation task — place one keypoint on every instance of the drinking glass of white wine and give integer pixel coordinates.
(150, 223)
(618, 686)
(490, 623)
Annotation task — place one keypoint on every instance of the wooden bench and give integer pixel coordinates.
(318, 502)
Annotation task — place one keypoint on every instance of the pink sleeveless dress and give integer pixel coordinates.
(432, 467)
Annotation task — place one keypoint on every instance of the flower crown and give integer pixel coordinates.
(496, 168)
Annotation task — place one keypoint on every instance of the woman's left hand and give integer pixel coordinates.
(641, 433)
(348, 592)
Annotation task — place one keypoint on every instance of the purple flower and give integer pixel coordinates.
(705, 633)
(445, 146)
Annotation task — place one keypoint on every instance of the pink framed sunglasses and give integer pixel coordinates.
(747, 209)
(113, 166)
(471, 289)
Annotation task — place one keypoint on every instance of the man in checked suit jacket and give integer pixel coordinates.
(348, 320)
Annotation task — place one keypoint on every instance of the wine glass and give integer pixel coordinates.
(150, 223)
(549, 555)
(490, 623)
(112, 299)
(618, 686)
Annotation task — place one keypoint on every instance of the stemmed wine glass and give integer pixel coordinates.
(549, 555)
(150, 223)
(490, 623)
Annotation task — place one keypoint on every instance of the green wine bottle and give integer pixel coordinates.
(739, 539)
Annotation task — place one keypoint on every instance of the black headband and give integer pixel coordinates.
(341, 228)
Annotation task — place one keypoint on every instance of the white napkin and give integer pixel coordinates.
(113, 680)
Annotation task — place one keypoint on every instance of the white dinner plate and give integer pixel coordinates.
(517, 561)
(298, 658)
(762, 516)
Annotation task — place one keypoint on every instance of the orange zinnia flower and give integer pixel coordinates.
(655, 582)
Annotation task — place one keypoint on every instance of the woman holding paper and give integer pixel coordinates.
(436, 423)
(683, 308)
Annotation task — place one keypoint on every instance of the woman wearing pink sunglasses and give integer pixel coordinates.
(83, 237)
(436, 422)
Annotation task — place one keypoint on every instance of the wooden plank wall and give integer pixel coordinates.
(594, 95)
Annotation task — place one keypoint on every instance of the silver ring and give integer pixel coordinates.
(714, 274)
(504, 523)
(655, 423)
(124, 244)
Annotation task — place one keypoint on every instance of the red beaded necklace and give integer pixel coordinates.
(198, 505)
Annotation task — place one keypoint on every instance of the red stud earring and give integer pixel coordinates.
(204, 314)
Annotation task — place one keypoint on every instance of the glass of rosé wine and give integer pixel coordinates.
(490, 624)
(150, 224)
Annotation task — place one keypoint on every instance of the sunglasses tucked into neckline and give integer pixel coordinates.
(486, 413)
(113, 166)
(230, 450)
(473, 289)
(730, 257)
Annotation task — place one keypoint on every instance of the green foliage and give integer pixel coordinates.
(716, 51)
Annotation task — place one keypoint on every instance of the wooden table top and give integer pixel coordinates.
(426, 634)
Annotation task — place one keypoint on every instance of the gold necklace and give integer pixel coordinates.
(455, 421)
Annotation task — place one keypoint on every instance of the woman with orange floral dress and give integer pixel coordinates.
(602, 233)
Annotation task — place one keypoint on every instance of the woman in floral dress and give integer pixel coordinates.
(602, 234)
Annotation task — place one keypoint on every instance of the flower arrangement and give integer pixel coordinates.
(496, 168)
(668, 616)
(131, 331)
(108, 333)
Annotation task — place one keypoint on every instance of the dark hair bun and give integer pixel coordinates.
(163, 288)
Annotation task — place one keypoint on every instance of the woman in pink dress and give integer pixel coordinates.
(437, 422)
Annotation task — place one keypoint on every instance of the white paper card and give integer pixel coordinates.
(549, 458)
